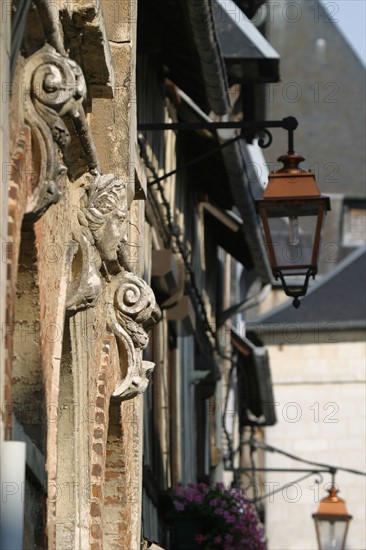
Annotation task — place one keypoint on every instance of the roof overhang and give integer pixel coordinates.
(231, 177)
(248, 56)
(227, 230)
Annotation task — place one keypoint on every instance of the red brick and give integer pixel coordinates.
(95, 509)
(99, 418)
(98, 433)
(96, 531)
(100, 402)
(112, 475)
(112, 501)
(97, 491)
(98, 448)
(96, 470)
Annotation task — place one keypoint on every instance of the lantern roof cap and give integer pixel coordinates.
(291, 181)
(332, 507)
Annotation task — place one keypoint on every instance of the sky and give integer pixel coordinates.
(350, 16)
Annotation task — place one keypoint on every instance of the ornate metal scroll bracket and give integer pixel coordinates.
(132, 311)
(246, 127)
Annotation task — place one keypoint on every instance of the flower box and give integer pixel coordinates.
(214, 518)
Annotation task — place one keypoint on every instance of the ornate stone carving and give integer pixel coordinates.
(100, 234)
(54, 89)
(133, 311)
(85, 285)
(135, 308)
(105, 213)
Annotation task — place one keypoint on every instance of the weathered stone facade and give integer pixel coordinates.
(108, 229)
(77, 308)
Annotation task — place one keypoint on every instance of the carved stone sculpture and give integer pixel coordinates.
(133, 311)
(99, 232)
(54, 89)
(105, 213)
(99, 260)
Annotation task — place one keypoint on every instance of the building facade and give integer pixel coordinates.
(318, 365)
(77, 308)
(119, 243)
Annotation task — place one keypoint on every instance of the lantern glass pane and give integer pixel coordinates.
(332, 534)
(293, 239)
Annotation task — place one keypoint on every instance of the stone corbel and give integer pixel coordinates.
(132, 311)
(100, 259)
(54, 89)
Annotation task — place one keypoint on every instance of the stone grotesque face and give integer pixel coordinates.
(106, 213)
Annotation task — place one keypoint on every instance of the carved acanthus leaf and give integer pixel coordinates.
(54, 89)
(134, 309)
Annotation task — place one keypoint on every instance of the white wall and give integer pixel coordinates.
(320, 396)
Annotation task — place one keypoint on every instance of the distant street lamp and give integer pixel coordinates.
(292, 213)
(332, 522)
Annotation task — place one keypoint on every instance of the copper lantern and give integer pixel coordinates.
(332, 522)
(292, 213)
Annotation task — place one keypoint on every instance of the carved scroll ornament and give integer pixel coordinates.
(133, 311)
(54, 89)
(100, 260)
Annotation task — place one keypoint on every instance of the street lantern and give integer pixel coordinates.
(292, 212)
(332, 522)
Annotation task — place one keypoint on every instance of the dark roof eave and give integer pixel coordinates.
(244, 201)
(212, 64)
(217, 87)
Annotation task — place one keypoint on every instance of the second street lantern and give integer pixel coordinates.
(332, 522)
(292, 213)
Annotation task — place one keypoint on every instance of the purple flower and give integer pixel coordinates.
(237, 525)
(200, 539)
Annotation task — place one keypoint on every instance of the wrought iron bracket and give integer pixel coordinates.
(246, 126)
(307, 473)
